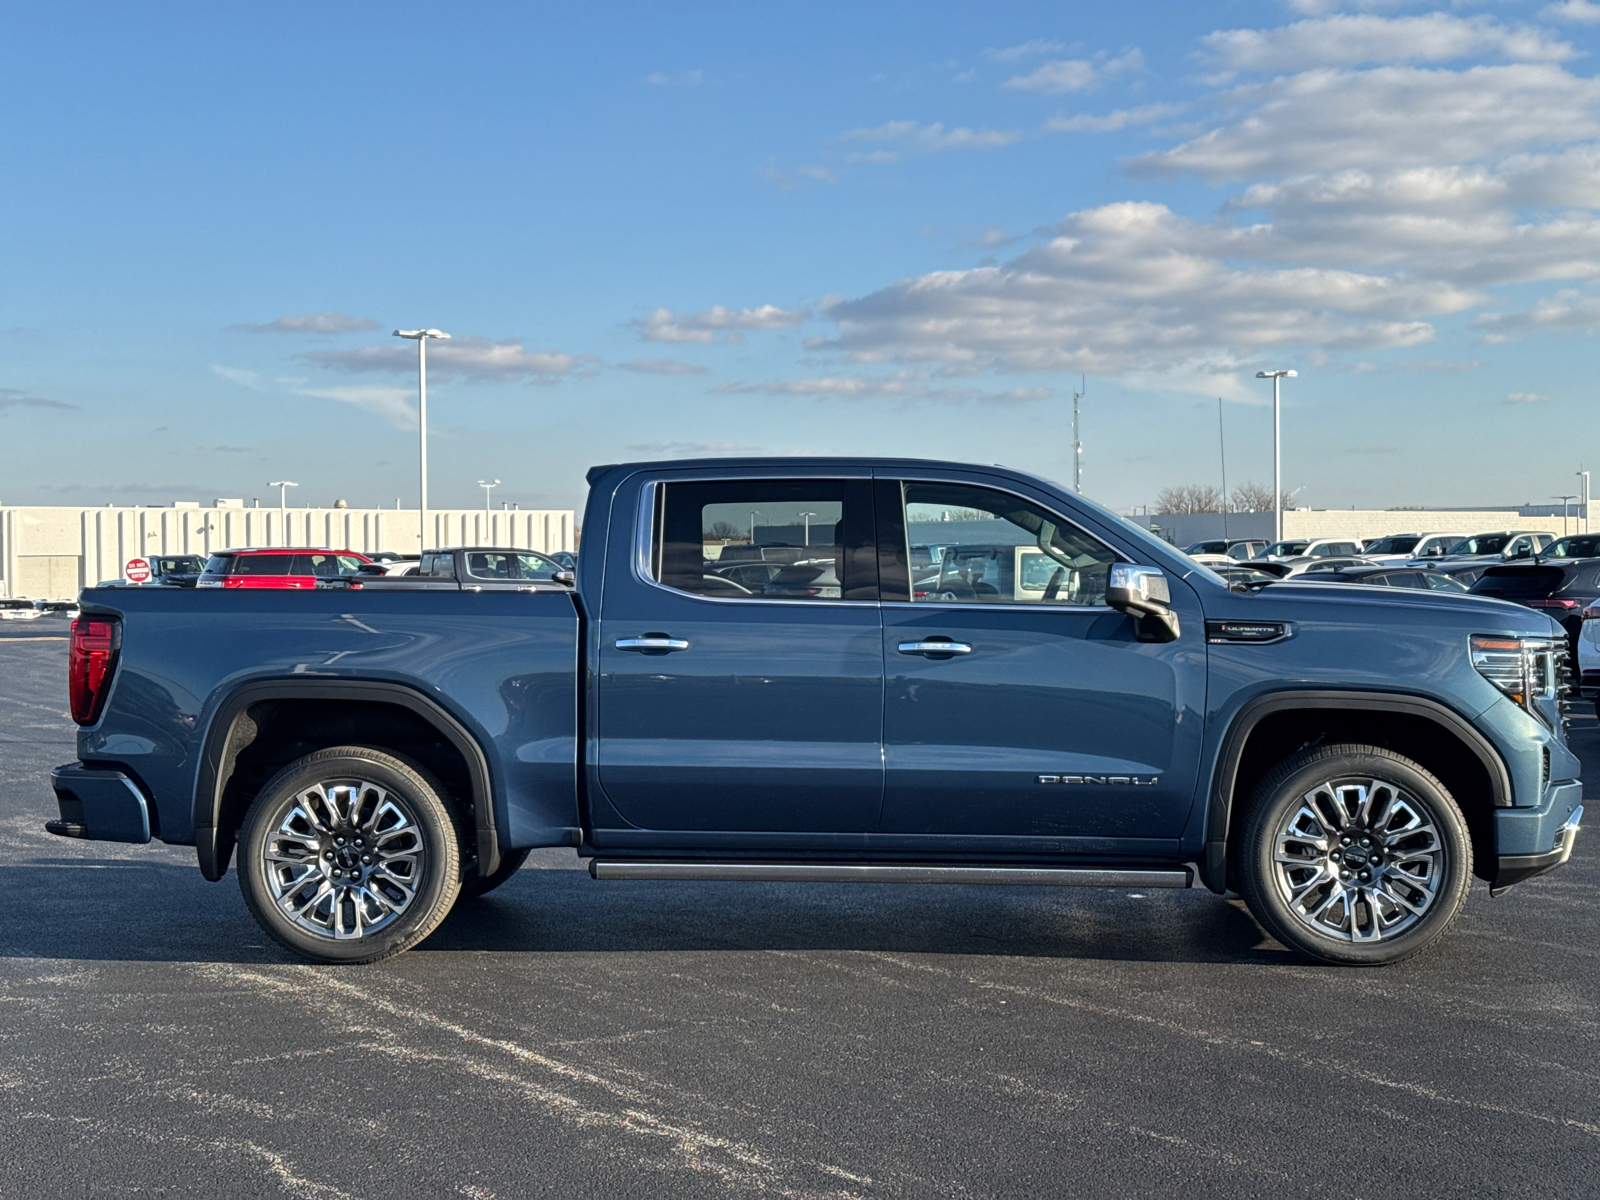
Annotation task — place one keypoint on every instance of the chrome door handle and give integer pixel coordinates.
(935, 648)
(659, 644)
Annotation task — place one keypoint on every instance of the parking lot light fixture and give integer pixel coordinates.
(488, 486)
(806, 517)
(1277, 450)
(421, 336)
(283, 486)
(1566, 506)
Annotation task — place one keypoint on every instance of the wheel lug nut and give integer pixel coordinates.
(338, 841)
(1344, 841)
(1366, 841)
(328, 855)
(366, 858)
(335, 872)
(1336, 856)
(1366, 875)
(1342, 874)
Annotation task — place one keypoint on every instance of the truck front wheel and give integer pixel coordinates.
(349, 855)
(1354, 855)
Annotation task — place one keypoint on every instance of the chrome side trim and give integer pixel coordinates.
(1177, 877)
(652, 643)
(935, 648)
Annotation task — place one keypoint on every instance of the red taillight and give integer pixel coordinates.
(90, 661)
(1564, 605)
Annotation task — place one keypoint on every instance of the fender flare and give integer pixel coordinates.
(1219, 807)
(221, 748)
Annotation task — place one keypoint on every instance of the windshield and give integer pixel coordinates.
(1286, 549)
(1393, 545)
(1575, 547)
(1487, 543)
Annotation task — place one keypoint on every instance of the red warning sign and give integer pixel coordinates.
(137, 570)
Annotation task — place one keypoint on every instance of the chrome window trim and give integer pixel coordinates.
(645, 535)
(905, 527)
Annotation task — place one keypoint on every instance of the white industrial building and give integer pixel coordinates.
(50, 553)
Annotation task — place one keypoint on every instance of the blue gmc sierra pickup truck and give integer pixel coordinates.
(919, 671)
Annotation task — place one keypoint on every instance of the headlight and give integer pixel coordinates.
(1522, 668)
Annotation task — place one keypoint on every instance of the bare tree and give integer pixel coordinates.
(1189, 498)
(1252, 497)
(724, 531)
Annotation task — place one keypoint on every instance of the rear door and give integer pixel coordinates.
(1044, 717)
(745, 707)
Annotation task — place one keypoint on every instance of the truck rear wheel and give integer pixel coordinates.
(349, 855)
(1354, 855)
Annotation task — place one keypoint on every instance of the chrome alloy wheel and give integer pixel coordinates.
(345, 859)
(1358, 860)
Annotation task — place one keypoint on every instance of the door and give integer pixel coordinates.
(1016, 703)
(741, 704)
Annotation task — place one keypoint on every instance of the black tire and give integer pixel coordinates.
(406, 834)
(479, 885)
(1395, 866)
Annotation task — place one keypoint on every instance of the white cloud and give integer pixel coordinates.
(1526, 398)
(902, 386)
(1133, 289)
(664, 325)
(676, 78)
(1348, 40)
(1583, 12)
(820, 174)
(467, 357)
(914, 137)
(662, 366)
(1031, 49)
(1111, 122)
(17, 398)
(693, 449)
(322, 322)
(244, 378)
(1565, 312)
(1324, 120)
(1063, 75)
(390, 403)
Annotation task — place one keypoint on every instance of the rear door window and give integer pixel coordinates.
(818, 532)
(264, 564)
(505, 565)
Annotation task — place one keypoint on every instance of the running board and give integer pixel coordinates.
(889, 873)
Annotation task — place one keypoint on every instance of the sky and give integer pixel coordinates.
(665, 231)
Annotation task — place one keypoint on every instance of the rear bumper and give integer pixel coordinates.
(99, 804)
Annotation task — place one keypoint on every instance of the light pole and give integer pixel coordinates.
(1564, 508)
(421, 336)
(754, 513)
(1077, 442)
(806, 517)
(1583, 488)
(283, 486)
(487, 487)
(1277, 450)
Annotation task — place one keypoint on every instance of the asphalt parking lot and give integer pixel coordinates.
(565, 1037)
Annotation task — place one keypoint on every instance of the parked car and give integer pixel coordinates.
(1298, 565)
(1561, 589)
(565, 559)
(1403, 547)
(753, 575)
(390, 557)
(18, 609)
(1384, 576)
(281, 568)
(1588, 657)
(1240, 576)
(1506, 546)
(1466, 573)
(1308, 548)
(475, 569)
(1335, 754)
(1238, 549)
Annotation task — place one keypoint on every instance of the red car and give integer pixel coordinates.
(293, 568)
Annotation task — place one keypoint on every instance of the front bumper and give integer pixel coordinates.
(99, 804)
(1512, 869)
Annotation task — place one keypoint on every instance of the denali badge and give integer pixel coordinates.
(1123, 780)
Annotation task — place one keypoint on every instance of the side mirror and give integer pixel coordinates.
(1142, 593)
(566, 577)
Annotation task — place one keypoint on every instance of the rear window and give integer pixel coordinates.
(218, 564)
(1519, 583)
(1582, 579)
(1393, 545)
(495, 564)
(262, 564)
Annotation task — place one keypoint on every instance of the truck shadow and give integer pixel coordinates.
(566, 911)
(109, 909)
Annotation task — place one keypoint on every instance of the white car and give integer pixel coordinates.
(1309, 548)
(1403, 547)
(19, 610)
(1589, 655)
